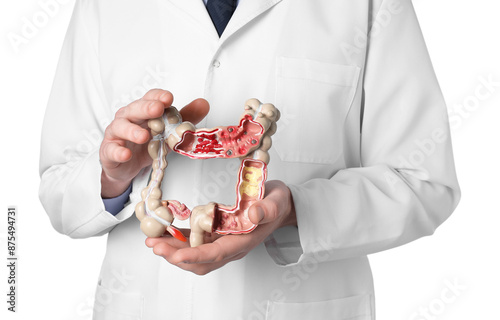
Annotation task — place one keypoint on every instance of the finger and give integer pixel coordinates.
(123, 129)
(161, 95)
(165, 250)
(267, 209)
(277, 202)
(224, 248)
(204, 268)
(151, 242)
(141, 110)
(112, 154)
(195, 111)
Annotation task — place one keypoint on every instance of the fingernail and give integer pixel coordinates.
(137, 133)
(162, 95)
(260, 213)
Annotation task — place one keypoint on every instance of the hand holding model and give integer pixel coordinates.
(250, 141)
(123, 152)
(274, 211)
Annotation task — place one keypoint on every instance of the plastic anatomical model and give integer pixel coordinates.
(249, 141)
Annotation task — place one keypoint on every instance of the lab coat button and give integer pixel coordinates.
(216, 63)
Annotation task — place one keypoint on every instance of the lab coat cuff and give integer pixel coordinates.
(286, 245)
(96, 220)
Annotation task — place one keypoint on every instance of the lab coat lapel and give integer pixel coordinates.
(198, 12)
(246, 11)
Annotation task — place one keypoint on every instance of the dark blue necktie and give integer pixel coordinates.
(220, 12)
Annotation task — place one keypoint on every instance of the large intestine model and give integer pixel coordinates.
(249, 141)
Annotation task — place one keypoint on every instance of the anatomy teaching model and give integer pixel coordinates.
(250, 141)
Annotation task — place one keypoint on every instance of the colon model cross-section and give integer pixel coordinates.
(249, 141)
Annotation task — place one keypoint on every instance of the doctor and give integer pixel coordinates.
(362, 160)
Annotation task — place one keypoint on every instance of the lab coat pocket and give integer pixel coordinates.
(115, 305)
(314, 98)
(351, 308)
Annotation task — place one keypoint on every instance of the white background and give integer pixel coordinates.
(57, 275)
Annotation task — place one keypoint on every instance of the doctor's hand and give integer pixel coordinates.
(123, 152)
(274, 211)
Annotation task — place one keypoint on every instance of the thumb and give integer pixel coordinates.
(195, 111)
(264, 211)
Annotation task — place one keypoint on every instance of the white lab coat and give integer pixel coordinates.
(363, 143)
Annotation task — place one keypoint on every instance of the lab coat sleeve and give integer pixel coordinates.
(74, 123)
(406, 185)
